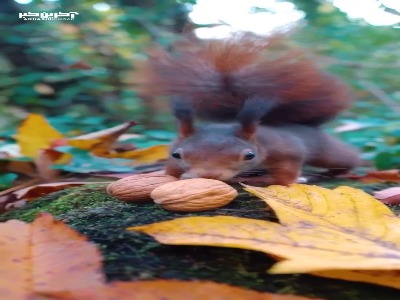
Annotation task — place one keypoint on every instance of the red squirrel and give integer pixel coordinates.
(269, 102)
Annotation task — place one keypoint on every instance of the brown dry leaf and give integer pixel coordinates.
(45, 256)
(337, 232)
(40, 190)
(6, 201)
(21, 167)
(377, 176)
(389, 196)
(34, 134)
(44, 161)
(171, 290)
(19, 195)
(147, 155)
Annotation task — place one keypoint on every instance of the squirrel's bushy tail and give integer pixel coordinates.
(216, 76)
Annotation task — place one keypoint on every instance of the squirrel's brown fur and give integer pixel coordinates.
(217, 76)
(223, 151)
(249, 80)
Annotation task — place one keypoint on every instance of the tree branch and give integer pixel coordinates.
(389, 9)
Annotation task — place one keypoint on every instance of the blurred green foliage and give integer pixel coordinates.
(79, 71)
(367, 58)
(80, 68)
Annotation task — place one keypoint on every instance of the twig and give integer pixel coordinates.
(380, 94)
(20, 186)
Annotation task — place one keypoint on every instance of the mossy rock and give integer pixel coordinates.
(135, 256)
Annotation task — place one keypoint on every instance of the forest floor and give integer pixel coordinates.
(135, 256)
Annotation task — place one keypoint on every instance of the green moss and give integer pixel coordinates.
(135, 256)
(61, 202)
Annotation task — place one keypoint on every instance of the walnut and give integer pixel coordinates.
(190, 195)
(137, 187)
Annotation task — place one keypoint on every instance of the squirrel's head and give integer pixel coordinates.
(217, 151)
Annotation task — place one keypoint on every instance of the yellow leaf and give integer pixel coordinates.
(35, 134)
(333, 233)
(100, 141)
(84, 144)
(146, 155)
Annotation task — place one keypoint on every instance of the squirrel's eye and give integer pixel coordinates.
(249, 155)
(176, 155)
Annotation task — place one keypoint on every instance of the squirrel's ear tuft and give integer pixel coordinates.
(183, 112)
(250, 115)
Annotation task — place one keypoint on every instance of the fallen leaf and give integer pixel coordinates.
(14, 197)
(15, 204)
(146, 155)
(45, 256)
(338, 232)
(34, 134)
(389, 196)
(40, 190)
(6, 201)
(171, 290)
(48, 260)
(20, 186)
(20, 167)
(100, 141)
(44, 161)
(376, 176)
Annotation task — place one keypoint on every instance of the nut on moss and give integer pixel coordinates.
(137, 187)
(191, 195)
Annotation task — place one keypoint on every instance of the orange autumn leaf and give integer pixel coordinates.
(171, 290)
(334, 233)
(377, 176)
(34, 134)
(45, 256)
(48, 260)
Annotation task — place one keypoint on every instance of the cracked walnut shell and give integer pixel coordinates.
(191, 195)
